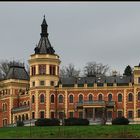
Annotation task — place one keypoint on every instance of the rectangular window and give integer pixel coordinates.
(42, 69)
(52, 83)
(58, 70)
(139, 80)
(42, 114)
(52, 115)
(139, 113)
(120, 114)
(33, 83)
(80, 114)
(52, 69)
(42, 83)
(130, 114)
(71, 114)
(4, 122)
(33, 70)
(33, 115)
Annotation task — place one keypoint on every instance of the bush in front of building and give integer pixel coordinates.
(75, 121)
(47, 122)
(120, 121)
(20, 123)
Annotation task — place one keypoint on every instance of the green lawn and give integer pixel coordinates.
(92, 131)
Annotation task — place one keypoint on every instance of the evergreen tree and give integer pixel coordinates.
(128, 71)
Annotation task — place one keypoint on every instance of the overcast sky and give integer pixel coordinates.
(106, 32)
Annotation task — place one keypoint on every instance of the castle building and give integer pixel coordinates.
(44, 94)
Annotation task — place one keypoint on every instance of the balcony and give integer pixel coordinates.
(21, 108)
(96, 103)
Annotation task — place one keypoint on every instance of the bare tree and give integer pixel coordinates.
(28, 69)
(69, 71)
(93, 69)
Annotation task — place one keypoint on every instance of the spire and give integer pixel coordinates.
(44, 27)
(44, 46)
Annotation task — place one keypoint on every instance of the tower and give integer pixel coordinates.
(44, 72)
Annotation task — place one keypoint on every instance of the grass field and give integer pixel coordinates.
(92, 131)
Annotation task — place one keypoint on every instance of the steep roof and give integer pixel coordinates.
(17, 72)
(120, 80)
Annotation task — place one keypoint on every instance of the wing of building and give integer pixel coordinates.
(43, 94)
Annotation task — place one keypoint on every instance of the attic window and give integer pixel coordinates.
(52, 83)
(42, 83)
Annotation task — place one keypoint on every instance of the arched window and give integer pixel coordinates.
(80, 98)
(5, 107)
(71, 98)
(28, 103)
(24, 103)
(52, 98)
(42, 98)
(60, 99)
(110, 97)
(100, 97)
(119, 97)
(130, 97)
(33, 99)
(139, 96)
(90, 97)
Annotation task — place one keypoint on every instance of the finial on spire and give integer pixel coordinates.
(44, 15)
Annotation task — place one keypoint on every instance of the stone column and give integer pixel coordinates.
(125, 110)
(66, 103)
(56, 70)
(135, 103)
(47, 103)
(37, 69)
(93, 114)
(84, 113)
(36, 105)
(47, 69)
(30, 70)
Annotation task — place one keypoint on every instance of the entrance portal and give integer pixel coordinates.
(98, 114)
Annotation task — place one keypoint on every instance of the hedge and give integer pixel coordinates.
(47, 122)
(20, 123)
(120, 121)
(75, 121)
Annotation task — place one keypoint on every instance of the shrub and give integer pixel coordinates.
(47, 122)
(75, 121)
(120, 121)
(20, 123)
